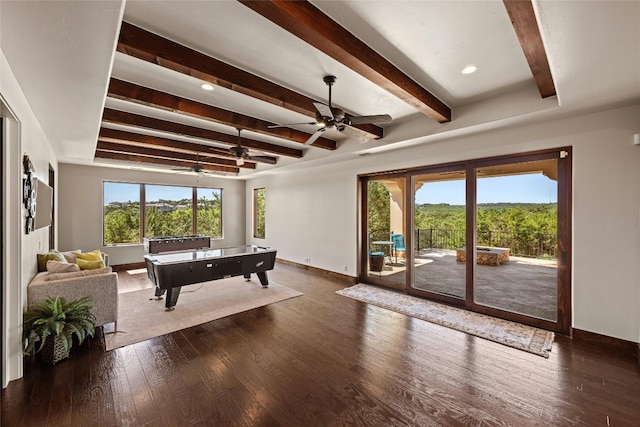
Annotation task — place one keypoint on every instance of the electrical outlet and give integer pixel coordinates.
(346, 268)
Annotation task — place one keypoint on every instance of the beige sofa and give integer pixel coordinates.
(99, 284)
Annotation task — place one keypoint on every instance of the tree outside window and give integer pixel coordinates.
(167, 211)
(259, 201)
(209, 206)
(121, 213)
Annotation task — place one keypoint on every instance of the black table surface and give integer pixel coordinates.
(205, 254)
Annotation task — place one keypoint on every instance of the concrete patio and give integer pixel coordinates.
(522, 285)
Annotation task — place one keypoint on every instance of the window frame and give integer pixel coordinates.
(142, 209)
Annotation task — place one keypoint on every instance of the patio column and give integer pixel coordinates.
(397, 218)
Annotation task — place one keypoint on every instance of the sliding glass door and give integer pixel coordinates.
(516, 238)
(490, 235)
(439, 222)
(385, 238)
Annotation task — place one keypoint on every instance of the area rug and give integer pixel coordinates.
(141, 316)
(522, 337)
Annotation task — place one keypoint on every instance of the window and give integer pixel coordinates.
(166, 210)
(121, 212)
(259, 195)
(209, 210)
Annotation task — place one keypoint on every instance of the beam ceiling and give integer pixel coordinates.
(133, 139)
(308, 23)
(127, 156)
(144, 45)
(136, 120)
(146, 96)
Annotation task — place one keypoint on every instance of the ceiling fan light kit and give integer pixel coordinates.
(329, 116)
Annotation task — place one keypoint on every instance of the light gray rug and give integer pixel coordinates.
(141, 317)
(522, 337)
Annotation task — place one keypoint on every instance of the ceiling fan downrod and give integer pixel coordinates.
(329, 80)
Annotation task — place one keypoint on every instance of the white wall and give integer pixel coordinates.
(311, 212)
(80, 207)
(25, 136)
(310, 215)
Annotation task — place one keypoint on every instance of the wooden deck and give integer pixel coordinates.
(326, 360)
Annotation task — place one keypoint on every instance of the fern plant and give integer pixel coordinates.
(59, 318)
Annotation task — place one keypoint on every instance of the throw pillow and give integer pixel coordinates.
(51, 255)
(83, 273)
(89, 265)
(70, 256)
(61, 267)
(90, 256)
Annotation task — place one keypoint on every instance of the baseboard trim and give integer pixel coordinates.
(629, 347)
(326, 273)
(125, 267)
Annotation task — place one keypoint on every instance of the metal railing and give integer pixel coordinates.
(542, 245)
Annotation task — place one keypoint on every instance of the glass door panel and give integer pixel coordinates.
(385, 232)
(439, 234)
(516, 238)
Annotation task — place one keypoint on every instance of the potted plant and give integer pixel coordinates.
(60, 320)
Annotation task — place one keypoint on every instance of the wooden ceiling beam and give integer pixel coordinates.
(146, 96)
(132, 138)
(111, 155)
(307, 22)
(523, 19)
(150, 47)
(194, 158)
(136, 120)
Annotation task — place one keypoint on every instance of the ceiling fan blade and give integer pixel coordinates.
(324, 110)
(290, 124)
(315, 136)
(264, 159)
(351, 132)
(363, 120)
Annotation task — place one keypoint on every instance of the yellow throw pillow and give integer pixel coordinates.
(89, 265)
(51, 255)
(94, 257)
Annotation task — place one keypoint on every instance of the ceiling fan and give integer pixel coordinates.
(241, 153)
(328, 116)
(196, 167)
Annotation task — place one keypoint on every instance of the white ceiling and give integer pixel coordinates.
(63, 54)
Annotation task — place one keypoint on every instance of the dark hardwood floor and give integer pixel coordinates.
(326, 360)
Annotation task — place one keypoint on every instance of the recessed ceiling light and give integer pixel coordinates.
(206, 86)
(469, 69)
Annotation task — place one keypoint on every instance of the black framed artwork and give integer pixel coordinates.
(28, 194)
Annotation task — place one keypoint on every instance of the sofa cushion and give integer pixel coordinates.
(61, 267)
(82, 273)
(70, 256)
(89, 265)
(90, 260)
(51, 255)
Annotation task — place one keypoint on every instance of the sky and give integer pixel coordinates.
(528, 188)
(123, 192)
